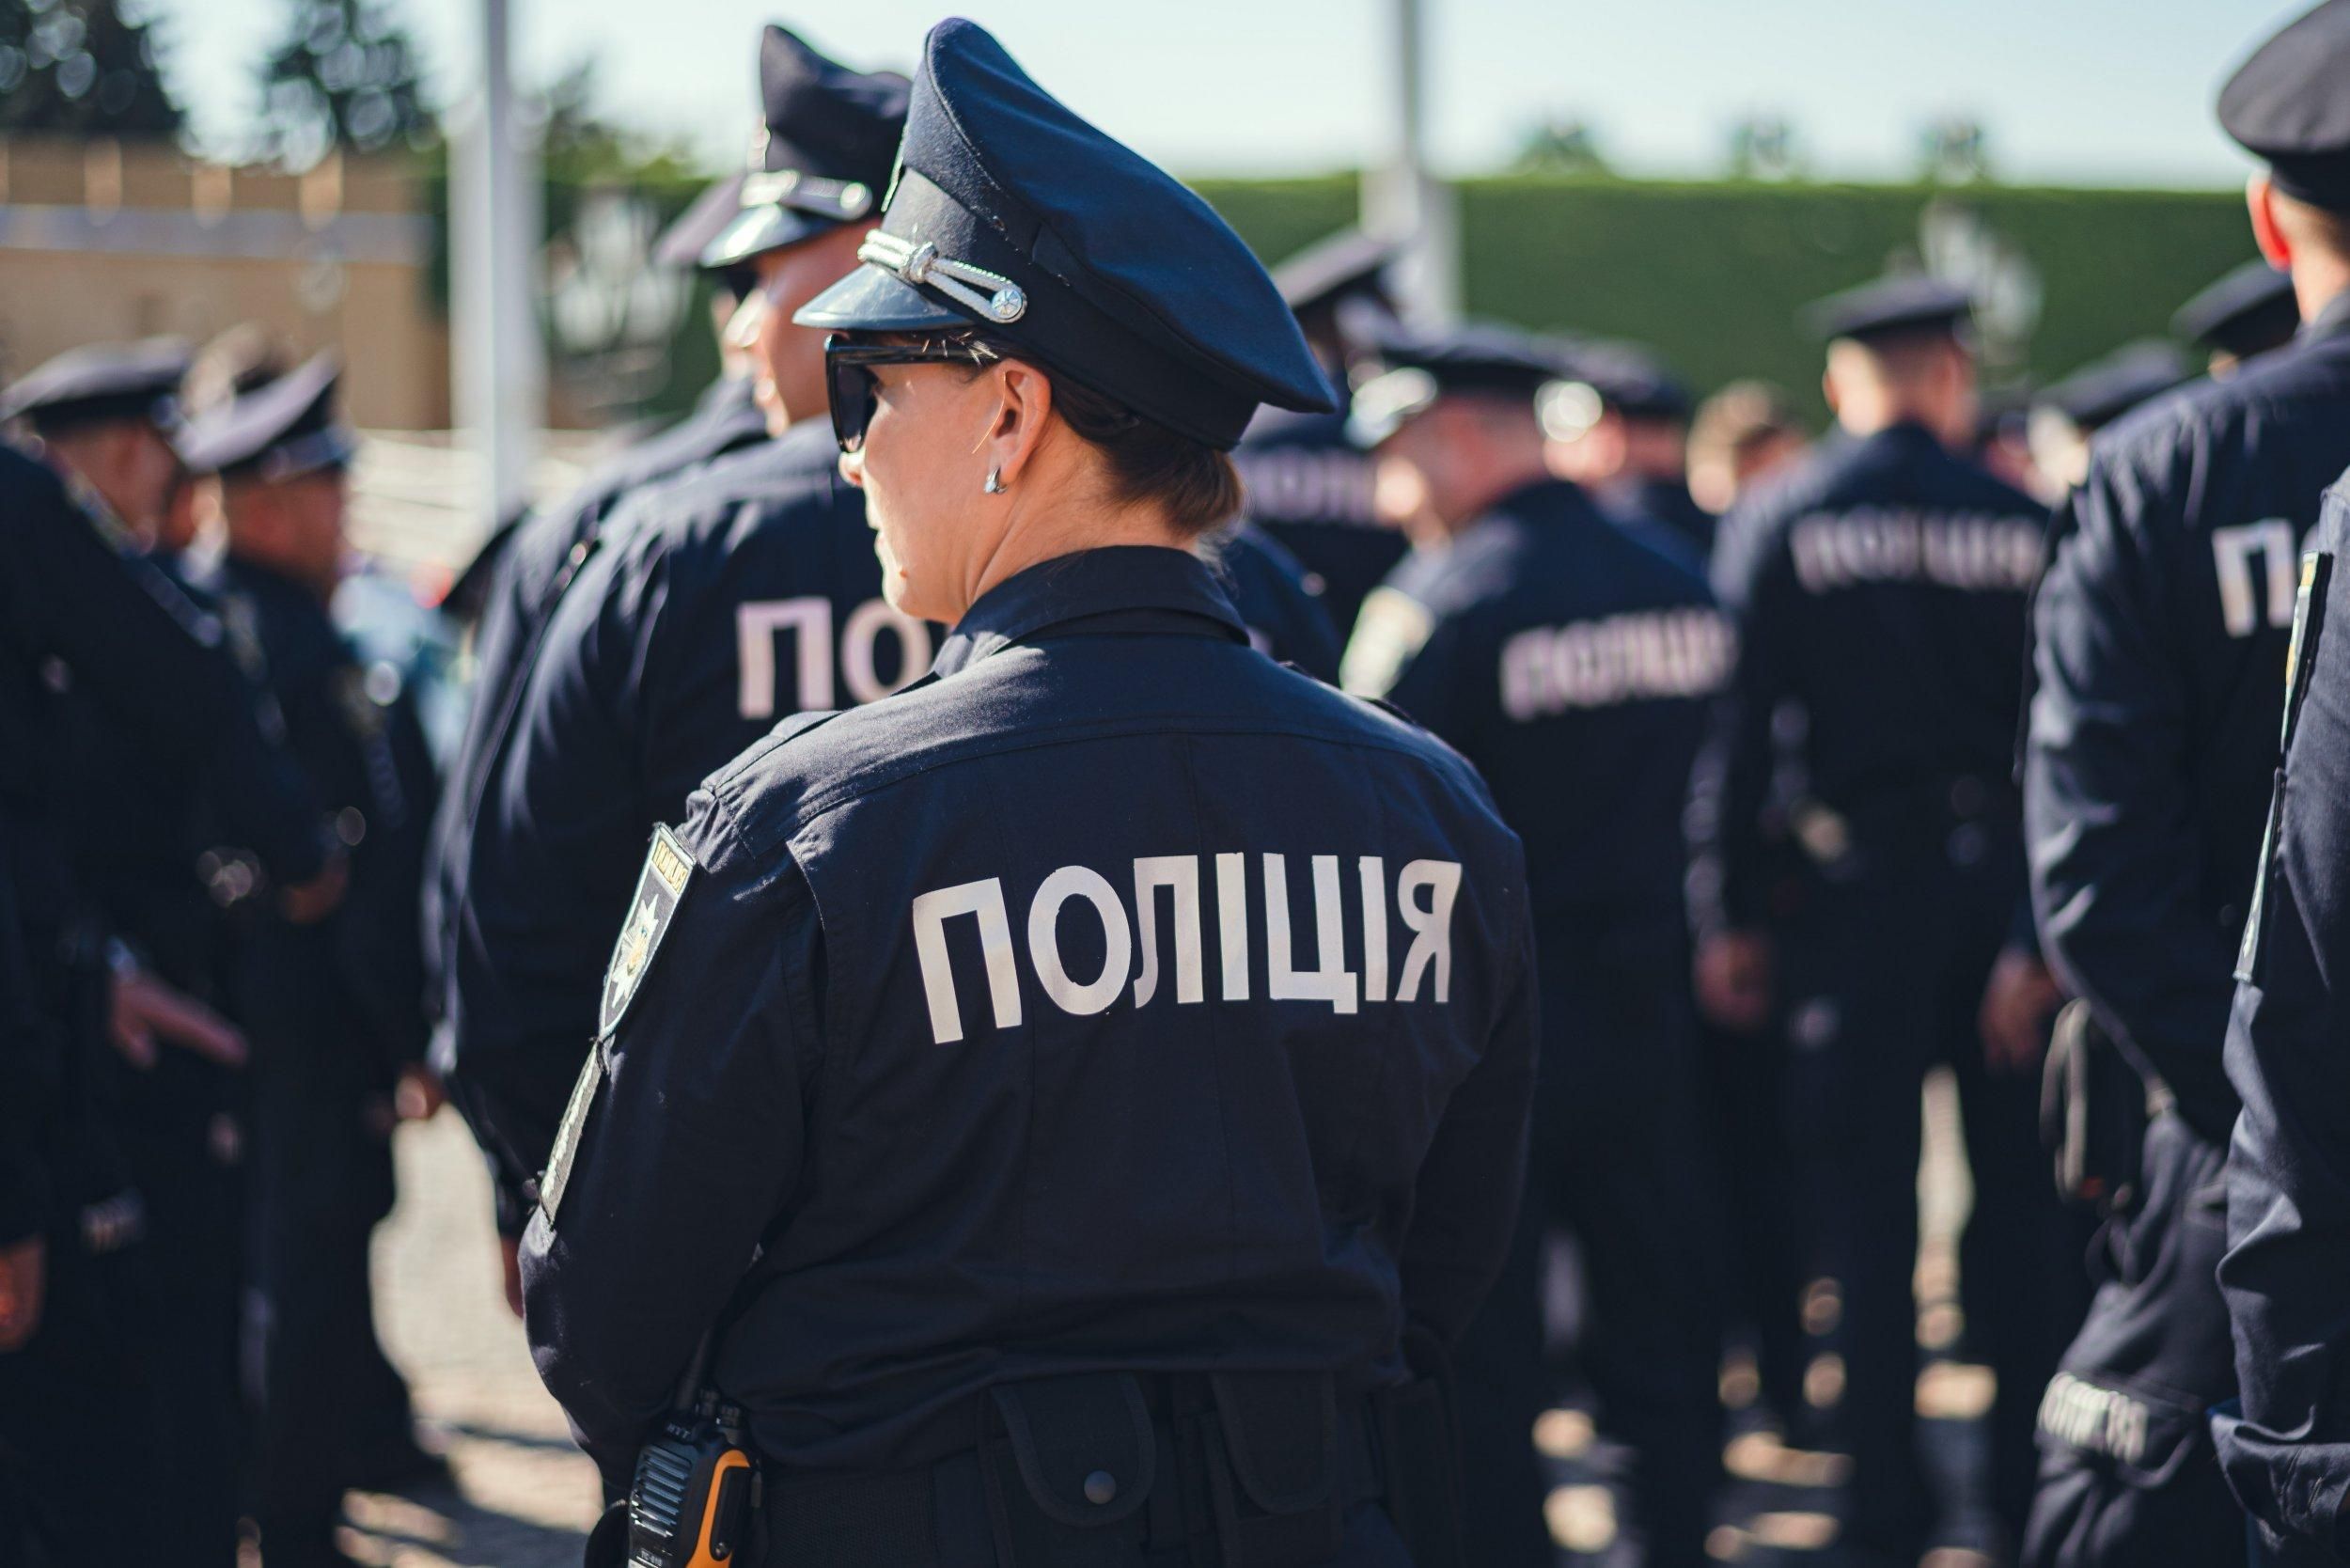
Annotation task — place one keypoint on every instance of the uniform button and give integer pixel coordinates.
(1101, 1488)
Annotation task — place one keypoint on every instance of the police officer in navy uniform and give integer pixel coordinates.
(81, 622)
(1573, 664)
(2284, 1451)
(2067, 413)
(336, 1010)
(1308, 485)
(2161, 627)
(522, 569)
(1619, 426)
(2245, 314)
(1068, 1083)
(1879, 591)
(104, 415)
(722, 600)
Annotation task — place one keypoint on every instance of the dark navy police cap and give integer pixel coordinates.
(1010, 213)
(281, 429)
(2250, 310)
(102, 382)
(1890, 307)
(2104, 389)
(821, 155)
(1415, 368)
(2289, 105)
(1347, 262)
(1630, 380)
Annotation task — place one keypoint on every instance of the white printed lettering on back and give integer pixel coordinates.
(1299, 964)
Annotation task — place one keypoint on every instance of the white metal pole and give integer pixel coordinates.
(497, 365)
(1400, 197)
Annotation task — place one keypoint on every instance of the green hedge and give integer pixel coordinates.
(1712, 275)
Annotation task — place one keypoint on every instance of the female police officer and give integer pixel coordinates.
(1063, 1085)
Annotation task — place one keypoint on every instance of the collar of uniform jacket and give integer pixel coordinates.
(1143, 586)
(2331, 320)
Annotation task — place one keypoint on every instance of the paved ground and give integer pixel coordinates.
(525, 1495)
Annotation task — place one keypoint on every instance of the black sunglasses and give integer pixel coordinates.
(849, 375)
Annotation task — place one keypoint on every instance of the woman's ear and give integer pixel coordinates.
(2276, 247)
(1024, 401)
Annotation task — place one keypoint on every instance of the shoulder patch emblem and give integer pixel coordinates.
(660, 888)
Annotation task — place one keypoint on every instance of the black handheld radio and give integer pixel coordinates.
(695, 1490)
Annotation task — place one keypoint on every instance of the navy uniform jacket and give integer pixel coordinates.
(2161, 627)
(352, 984)
(1573, 664)
(2286, 1273)
(724, 600)
(1310, 488)
(1878, 593)
(77, 618)
(1664, 506)
(546, 551)
(1030, 1022)
(1279, 604)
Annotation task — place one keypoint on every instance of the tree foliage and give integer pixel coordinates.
(81, 68)
(344, 73)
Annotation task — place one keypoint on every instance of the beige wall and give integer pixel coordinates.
(102, 241)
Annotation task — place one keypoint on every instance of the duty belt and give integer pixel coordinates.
(1190, 1470)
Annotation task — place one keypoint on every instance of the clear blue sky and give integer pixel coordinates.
(2072, 90)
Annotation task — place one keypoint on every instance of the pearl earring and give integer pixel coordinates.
(995, 485)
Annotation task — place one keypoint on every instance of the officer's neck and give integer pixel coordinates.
(1048, 516)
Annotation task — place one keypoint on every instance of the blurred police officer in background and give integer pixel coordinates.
(1571, 664)
(1878, 589)
(2245, 314)
(1039, 1244)
(334, 1008)
(1618, 424)
(2066, 413)
(2161, 626)
(1738, 437)
(161, 882)
(716, 603)
(1308, 485)
(84, 625)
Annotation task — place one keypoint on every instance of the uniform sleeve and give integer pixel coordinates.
(560, 830)
(24, 1178)
(2286, 1275)
(687, 1150)
(2117, 873)
(1464, 1203)
(1730, 782)
(130, 636)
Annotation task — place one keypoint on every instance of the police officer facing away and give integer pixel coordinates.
(2285, 1453)
(1308, 486)
(1878, 591)
(2160, 636)
(334, 1008)
(1617, 422)
(715, 603)
(2162, 625)
(1068, 1081)
(1573, 664)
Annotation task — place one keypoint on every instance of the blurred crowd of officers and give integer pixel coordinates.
(1944, 741)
